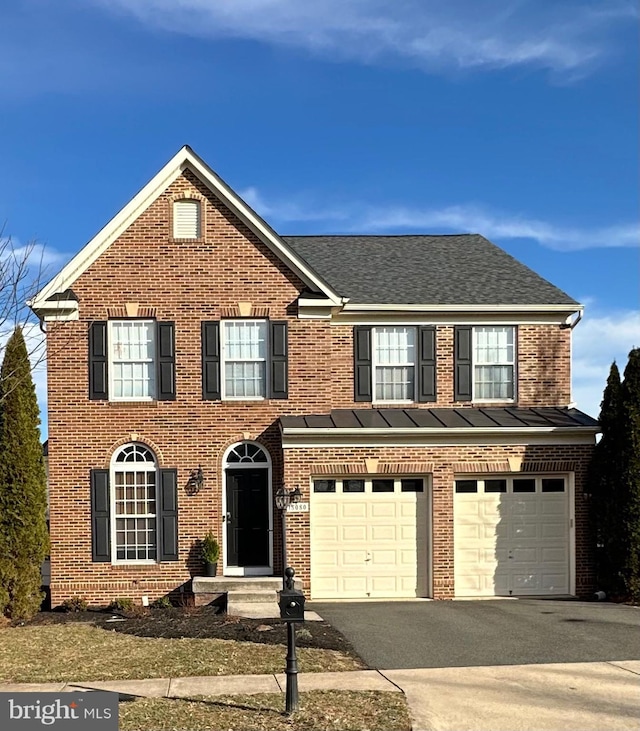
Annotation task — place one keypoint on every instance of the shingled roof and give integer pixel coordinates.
(461, 269)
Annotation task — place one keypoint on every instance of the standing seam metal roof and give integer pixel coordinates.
(439, 418)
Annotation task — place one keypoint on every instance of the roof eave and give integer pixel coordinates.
(368, 307)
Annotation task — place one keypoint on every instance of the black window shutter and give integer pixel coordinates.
(427, 364)
(278, 346)
(100, 504)
(168, 517)
(462, 363)
(166, 365)
(362, 363)
(211, 361)
(98, 361)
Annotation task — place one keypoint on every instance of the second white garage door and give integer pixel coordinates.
(369, 538)
(512, 536)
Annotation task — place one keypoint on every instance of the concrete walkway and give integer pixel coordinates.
(558, 697)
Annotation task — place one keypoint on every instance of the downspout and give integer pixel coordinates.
(577, 320)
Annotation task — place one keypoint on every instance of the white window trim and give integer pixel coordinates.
(112, 360)
(477, 400)
(375, 365)
(143, 467)
(224, 360)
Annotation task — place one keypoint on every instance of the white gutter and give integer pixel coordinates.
(436, 431)
(352, 306)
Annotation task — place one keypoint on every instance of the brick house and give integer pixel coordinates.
(415, 388)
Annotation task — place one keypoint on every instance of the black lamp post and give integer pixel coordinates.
(284, 498)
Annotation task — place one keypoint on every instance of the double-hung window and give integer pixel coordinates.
(132, 351)
(244, 354)
(493, 363)
(394, 363)
(132, 360)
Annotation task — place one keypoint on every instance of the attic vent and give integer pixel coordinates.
(186, 219)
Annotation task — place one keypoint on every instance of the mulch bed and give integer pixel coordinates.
(201, 623)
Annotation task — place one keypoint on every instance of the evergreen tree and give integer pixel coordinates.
(24, 540)
(604, 486)
(630, 476)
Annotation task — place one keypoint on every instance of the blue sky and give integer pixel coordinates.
(516, 119)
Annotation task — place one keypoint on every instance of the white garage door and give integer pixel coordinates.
(369, 538)
(511, 536)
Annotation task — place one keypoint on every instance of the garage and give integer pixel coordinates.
(512, 536)
(369, 537)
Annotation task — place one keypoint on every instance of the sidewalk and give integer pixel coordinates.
(559, 697)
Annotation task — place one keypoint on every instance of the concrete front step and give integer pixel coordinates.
(253, 610)
(251, 596)
(240, 590)
(223, 584)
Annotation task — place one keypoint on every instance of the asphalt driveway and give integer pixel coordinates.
(423, 634)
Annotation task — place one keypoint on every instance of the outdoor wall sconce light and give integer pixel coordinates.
(194, 483)
(284, 497)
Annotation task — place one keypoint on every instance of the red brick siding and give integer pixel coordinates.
(187, 282)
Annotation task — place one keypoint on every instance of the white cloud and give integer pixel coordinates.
(428, 34)
(598, 340)
(502, 226)
(457, 218)
(291, 210)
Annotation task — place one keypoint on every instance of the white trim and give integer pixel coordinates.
(224, 359)
(132, 467)
(566, 308)
(375, 365)
(184, 159)
(152, 386)
(339, 317)
(307, 438)
(571, 484)
(513, 364)
(226, 465)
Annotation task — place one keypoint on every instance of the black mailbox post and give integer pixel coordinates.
(291, 603)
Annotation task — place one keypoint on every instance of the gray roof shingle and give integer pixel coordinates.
(461, 269)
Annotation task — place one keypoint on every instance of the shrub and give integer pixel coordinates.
(162, 603)
(121, 604)
(210, 548)
(74, 604)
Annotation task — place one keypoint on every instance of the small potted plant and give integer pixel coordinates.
(210, 554)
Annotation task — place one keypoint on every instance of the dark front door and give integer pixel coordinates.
(247, 518)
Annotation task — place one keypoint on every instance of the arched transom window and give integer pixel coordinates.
(134, 503)
(247, 453)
